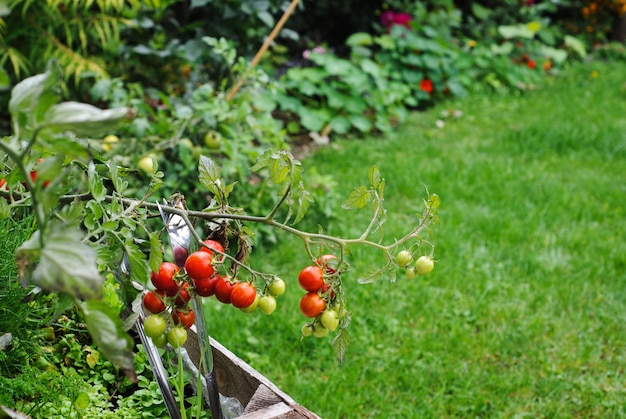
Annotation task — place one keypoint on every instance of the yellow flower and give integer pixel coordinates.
(471, 43)
(594, 74)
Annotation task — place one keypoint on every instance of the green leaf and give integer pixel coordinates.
(340, 124)
(340, 344)
(358, 198)
(576, 45)
(139, 270)
(108, 333)
(516, 31)
(209, 171)
(374, 176)
(305, 199)
(31, 98)
(5, 81)
(65, 263)
(96, 187)
(156, 252)
(5, 209)
(84, 119)
(359, 38)
(313, 119)
(361, 123)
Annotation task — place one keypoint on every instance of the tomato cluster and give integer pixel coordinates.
(320, 301)
(422, 266)
(168, 303)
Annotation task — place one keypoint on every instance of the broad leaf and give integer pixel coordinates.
(65, 263)
(84, 119)
(108, 333)
(358, 198)
(340, 344)
(96, 187)
(209, 171)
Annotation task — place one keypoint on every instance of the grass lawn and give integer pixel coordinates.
(524, 313)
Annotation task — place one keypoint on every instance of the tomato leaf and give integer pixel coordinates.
(374, 176)
(138, 267)
(358, 198)
(84, 119)
(65, 263)
(96, 187)
(108, 333)
(209, 171)
(340, 344)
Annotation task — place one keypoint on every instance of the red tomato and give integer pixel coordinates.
(164, 279)
(328, 262)
(183, 296)
(223, 290)
(213, 244)
(311, 278)
(206, 287)
(199, 265)
(152, 301)
(311, 305)
(243, 295)
(184, 318)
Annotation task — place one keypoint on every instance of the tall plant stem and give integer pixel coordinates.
(264, 47)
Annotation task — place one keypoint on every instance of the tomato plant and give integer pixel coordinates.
(329, 263)
(311, 278)
(211, 246)
(199, 265)
(404, 258)
(267, 304)
(312, 305)
(277, 287)
(242, 294)
(183, 296)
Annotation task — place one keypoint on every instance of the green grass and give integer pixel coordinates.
(524, 313)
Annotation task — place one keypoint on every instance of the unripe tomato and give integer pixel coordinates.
(411, 272)
(277, 287)
(206, 287)
(177, 336)
(223, 290)
(320, 332)
(312, 305)
(184, 318)
(252, 307)
(307, 330)
(424, 265)
(267, 304)
(154, 325)
(329, 319)
(164, 278)
(404, 258)
(212, 139)
(242, 294)
(152, 301)
(199, 265)
(146, 164)
(160, 341)
(109, 141)
(311, 278)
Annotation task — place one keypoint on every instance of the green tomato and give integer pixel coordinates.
(177, 336)
(277, 287)
(160, 341)
(411, 272)
(307, 330)
(154, 325)
(109, 141)
(146, 164)
(267, 304)
(424, 265)
(329, 319)
(213, 139)
(252, 307)
(404, 258)
(320, 332)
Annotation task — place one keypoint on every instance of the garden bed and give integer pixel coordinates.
(261, 398)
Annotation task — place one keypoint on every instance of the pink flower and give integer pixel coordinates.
(390, 18)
